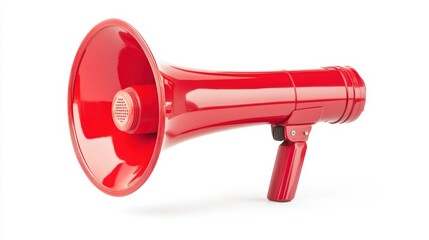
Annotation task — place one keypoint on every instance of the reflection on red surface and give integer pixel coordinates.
(201, 102)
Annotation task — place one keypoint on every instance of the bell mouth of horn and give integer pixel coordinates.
(112, 57)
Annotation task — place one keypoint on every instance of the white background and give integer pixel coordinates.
(367, 179)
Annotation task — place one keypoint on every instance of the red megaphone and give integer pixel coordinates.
(123, 109)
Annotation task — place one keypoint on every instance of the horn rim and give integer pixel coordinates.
(144, 173)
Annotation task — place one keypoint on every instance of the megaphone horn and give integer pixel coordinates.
(123, 109)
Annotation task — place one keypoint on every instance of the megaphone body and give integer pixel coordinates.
(124, 108)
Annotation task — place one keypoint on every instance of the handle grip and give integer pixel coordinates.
(286, 172)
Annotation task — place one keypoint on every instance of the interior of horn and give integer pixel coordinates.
(112, 57)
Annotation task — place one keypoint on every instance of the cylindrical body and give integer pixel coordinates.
(339, 90)
(199, 102)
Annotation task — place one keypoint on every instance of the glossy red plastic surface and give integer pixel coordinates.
(112, 57)
(200, 102)
(118, 143)
(287, 170)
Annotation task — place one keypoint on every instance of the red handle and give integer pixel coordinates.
(287, 170)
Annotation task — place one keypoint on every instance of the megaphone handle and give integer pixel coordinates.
(287, 169)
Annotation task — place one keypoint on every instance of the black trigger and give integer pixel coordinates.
(278, 132)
